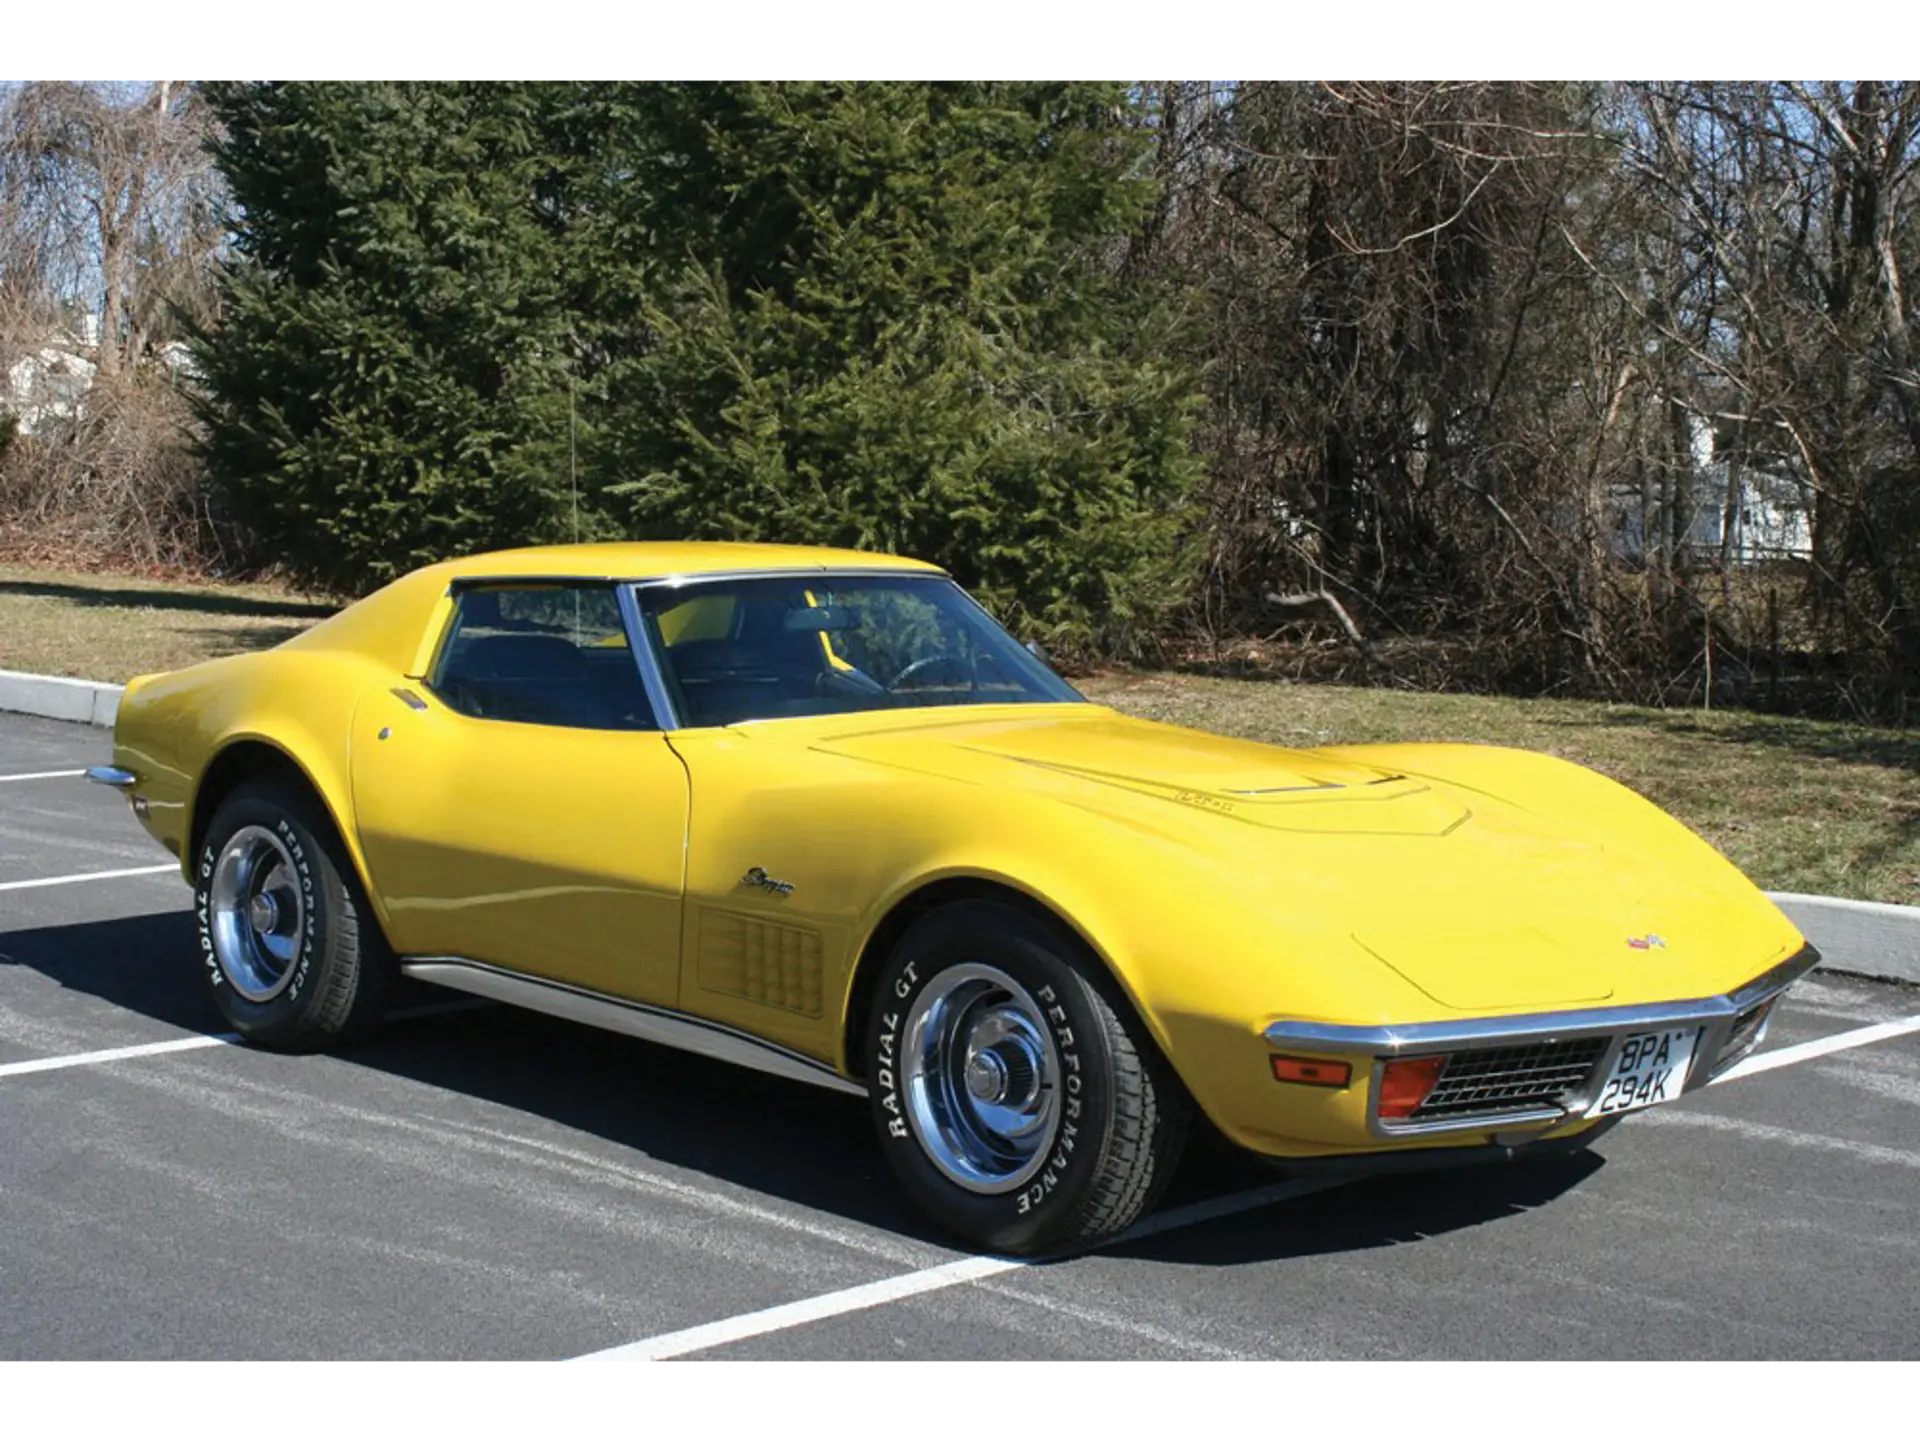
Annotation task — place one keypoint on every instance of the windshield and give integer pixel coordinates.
(762, 648)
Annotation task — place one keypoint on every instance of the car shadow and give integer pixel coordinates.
(793, 1142)
(1362, 1214)
(216, 642)
(156, 598)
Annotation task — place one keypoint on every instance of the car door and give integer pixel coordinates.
(789, 844)
(520, 807)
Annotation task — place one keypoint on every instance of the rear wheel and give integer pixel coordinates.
(1017, 1097)
(288, 948)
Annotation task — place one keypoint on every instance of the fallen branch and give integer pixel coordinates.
(1327, 598)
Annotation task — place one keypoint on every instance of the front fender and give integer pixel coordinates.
(1207, 965)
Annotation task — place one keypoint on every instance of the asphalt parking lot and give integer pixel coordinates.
(477, 1182)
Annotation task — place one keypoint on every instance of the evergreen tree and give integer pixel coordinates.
(886, 316)
(388, 384)
(889, 316)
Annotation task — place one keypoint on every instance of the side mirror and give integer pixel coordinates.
(1039, 652)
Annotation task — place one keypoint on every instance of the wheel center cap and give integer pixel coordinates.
(987, 1077)
(1003, 1074)
(263, 913)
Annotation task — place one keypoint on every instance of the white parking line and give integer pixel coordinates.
(937, 1277)
(203, 1042)
(42, 775)
(979, 1267)
(125, 1052)
(1814, 1049)
(90, 875)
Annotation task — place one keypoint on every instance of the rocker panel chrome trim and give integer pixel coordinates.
(627, 1017)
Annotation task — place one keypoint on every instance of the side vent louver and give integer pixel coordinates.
(771, 964)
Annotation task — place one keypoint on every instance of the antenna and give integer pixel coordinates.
(573, 474)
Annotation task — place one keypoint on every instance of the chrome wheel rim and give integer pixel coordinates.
(981, 1075)
(255, 913)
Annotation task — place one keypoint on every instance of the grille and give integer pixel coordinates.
(1512, 1077)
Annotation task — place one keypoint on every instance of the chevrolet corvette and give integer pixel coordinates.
(816, 812)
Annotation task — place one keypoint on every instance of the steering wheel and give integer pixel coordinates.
(927, 662)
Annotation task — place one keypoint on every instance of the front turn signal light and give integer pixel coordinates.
(1298, 1070)
(1405, 1083)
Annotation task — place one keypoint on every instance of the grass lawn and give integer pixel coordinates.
(112, 627)
(1798, 804)
(1810, 805)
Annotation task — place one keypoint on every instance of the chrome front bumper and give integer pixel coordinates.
(1717, 1015)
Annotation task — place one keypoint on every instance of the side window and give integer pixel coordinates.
(542, 655)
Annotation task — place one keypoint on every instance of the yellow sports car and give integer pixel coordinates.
(814, 811)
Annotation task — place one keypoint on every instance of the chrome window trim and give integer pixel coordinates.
(783, 572)
(653, 675)
(1713, 1014)
(627, 1017)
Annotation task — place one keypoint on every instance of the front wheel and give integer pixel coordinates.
(1018, 1099)
(287, 947)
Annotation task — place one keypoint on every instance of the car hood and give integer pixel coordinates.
(1484, 898)
(1263, 785)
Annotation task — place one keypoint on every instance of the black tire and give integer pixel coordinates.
(334, 984)
(1122, 1113)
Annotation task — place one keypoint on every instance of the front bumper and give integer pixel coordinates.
(1730, 1025)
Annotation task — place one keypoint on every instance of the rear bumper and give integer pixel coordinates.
(1730, 1025)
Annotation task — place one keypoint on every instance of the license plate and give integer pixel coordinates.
(1647, 1069)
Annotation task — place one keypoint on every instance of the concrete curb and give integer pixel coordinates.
(1862, 937)
(54, 697)
(1859, 937)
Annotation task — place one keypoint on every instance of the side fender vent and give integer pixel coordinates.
(758, 960)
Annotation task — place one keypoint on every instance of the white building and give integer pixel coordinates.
(48, 384)
(1770, 519)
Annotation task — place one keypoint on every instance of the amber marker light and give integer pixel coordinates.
(1405, 1083)
(1295, 1070)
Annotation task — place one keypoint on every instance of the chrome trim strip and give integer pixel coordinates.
(1397, 1040)
(112, 775)
(505, 581)
(1714, 1015)
(1507, 1119)
(1773, 981)
(653, 676)
(627, 1017)
(785, 572)
(695, 577)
